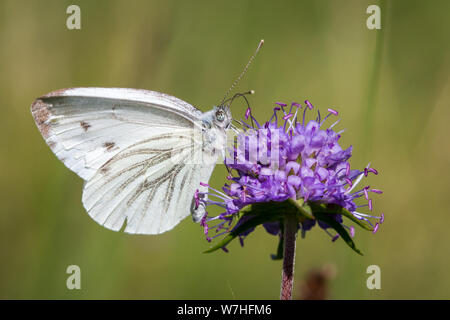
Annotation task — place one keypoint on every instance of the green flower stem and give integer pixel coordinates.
(290, 236)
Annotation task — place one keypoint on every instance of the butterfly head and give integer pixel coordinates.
(222, 116)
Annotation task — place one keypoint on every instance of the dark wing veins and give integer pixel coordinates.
(156, 156)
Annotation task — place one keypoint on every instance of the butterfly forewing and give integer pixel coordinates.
(85, 127)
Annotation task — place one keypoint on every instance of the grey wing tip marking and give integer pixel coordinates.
(41, 111)
(41, 114)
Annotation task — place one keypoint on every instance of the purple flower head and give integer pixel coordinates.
(289, 158)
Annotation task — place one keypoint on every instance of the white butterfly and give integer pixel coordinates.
(134, 149)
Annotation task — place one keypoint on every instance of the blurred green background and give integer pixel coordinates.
(391, 87)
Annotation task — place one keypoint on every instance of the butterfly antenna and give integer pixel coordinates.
(229, 101)
(243, 72)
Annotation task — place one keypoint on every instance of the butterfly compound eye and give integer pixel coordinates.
(220, 115)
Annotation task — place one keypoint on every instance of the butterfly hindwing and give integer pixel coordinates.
(150, 185)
